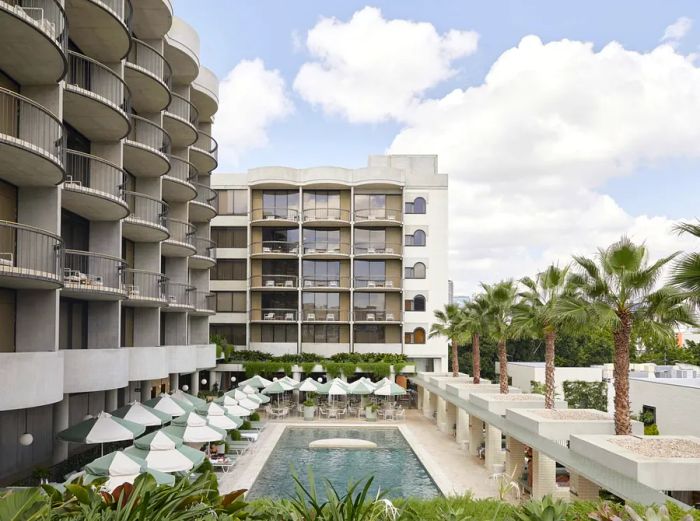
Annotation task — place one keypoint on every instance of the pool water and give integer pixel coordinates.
(395, 467)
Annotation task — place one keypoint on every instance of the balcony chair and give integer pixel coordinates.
(389, 316)
(288, 283)
(270, 283)
(333, 284)
(371, 250)
(267, 249)
(330, 317)
(388, 284)
(71, 182)
(269, 316)
(132, 290)
(311, 316)
(289, 316)
(308, 283)
(370, 316)
(371, 284)
(389, 251)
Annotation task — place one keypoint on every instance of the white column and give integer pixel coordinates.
(451, 418)
(145, 390)
(419, 398)
(582, 489)
(427, 409)
(544, 473)
(195, 383)
(515, 457)
(476, 435)
(441, 415)
(494, 448)
(60, 422)
(462, 431)
(174, 381)
(110, 400)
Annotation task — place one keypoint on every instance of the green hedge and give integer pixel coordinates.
(586, 395)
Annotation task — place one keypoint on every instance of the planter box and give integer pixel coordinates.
(309, 413)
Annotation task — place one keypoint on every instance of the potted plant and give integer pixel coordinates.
(371, 412)
(309, 409)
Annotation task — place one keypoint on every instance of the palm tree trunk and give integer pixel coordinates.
(621, 337)
(476, 359)
(455, 359)
(503, 364)
(549, 338)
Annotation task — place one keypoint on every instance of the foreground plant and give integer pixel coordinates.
(547, 509)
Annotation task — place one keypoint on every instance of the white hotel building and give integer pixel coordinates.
(328, 260)
(105, 204)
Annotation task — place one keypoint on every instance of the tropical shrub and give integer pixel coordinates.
(586, 395)
(255, 417)
(547, 509)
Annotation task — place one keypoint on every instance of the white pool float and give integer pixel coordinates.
(342, 443)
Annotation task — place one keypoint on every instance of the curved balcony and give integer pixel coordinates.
(181, 359)
(94, 188)
(206, 356)
(181, 240)
(379, 217)
(385, 283)
(147, 73)
(33, 37)
(274, 282)
(89, 370)
(205, 256)
(96, 99)
(100, 28)
(275, 249)
(326, 217)
(32, 148)
(271, 216)
(325, 315)
(326, 283)
(387, 250)
(144, 288)
(35, 379)
(204, 153)
(152, 18)
(205, 93)
(179, 296)
(148, 363)
(182, 51)
(92, 276)
(180, 120)
(30, 258)
(203, 207)
(326, 250)
(376, 315)
(146, 149)
(178, 183)
(274, 315)
(204, 303)
(146, 220)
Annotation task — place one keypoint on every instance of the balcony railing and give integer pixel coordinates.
(377, 282)
(149, 134)
(326, 282)
(141, 284)
(47, 15)
(278, 314)
(370, 248)
(89, 271)
(182, 170)
(274, 281)
(206, 195)
(205, 247)
(379, 214)
(31, 252)
(180, 231)
(24, 121)
(207, 143)
(87, 172)
(146, 57)
(379, 315)
(285, 247)
(91, 75)
(331, 247)
(274, 213)
(326, 214)
(325, 315)
(145, 208)
(179, 294)
(205, 301)
(183, 109)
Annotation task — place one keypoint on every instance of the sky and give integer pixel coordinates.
(562, 125)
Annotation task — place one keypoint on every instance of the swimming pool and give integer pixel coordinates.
(395, 467)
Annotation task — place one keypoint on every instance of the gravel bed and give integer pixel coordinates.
(659, 447)
(520, 397)
(571, 414)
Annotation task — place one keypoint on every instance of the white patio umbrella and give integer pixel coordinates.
(232, 407)
(192, 428)
(309, 386)
(103, 428)
(120, 468)
(142, 414)
(169, 405)
(337, 389)
(256, 381)
(249, 389)
(390, 389)
(190, 399)
(216, 416)
(165, 452)
(244, 399)
(291, 381)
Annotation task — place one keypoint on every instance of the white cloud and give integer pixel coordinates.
(675, 32)
(251, 98)
(529, 151)
(370, 69)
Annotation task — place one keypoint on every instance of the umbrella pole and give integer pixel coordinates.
(102, 449)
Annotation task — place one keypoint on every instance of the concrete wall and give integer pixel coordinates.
(523, 373)
(677, 406)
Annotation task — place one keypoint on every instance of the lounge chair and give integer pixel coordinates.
(288, 283)
(330, 317)
(289, 316)
(269, 316)
(311, 316)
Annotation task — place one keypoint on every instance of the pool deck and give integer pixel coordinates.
(452, 469)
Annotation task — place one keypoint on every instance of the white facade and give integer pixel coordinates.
(523, 373)
(676, 403)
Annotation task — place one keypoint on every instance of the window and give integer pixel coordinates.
(321, 304)
(322, 204)
(230, 301)
(229, 269)
(417, 304)
(320, 333)
(365, 239)
(321, 271)
(75, 231)
(278, 202)
(323, 240)
(367, 205)
(233, 333)
(415, 337)
(286, 267)
(417, 239)
(127, 327)
(417, 271)
(283, 300)
(366, 304)
(367, 272)
(278, 333)
(230, 237)
(369, 334)
(417, 206)
(233, 202)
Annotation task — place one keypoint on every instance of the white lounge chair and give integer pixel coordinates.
(288, 283)
(308, 283)
(330, 316)
(371, 284)
(269, 316)
(270, 283)
(370, 316)
(267, 249)
(333, 284)
(388, 284)
(311, 316)
(389, 250)
(289, 316)
(390, 316)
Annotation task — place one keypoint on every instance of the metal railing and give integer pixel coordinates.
(179, 294)
(274, 281)
(31, 252)
(142, 284)
(206, 195)
(146, 57)
(88, 172)
(47, 15)
(89, 271)
(330, 214)
(280, 314)
(326, 282)
(331, 247)
(377, 282)
(204, 300)
(289, 247)
(372, 315)
(205, 247)
(379, 214)
(180, 231)
(183, 109)
(22, 119)
(91, 75)
(325, 315)
(182, 170)
(378, 248)
(145, 208)
(149, 134)
(207, 143)
(273, 213)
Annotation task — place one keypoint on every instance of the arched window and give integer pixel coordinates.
(417, 336)
(419, 303)
(417, 271)
(418, 205)
(416, 239)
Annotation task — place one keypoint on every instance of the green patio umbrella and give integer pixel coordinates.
(277, 387)
(217, 417)
(233, 409)
(191, 399)
(165, 452)
(121, 468)
(192, 428)
(256, 381)
(169, 405)
(390, 389)
(142, 414)
(103, 428)
(291, 381)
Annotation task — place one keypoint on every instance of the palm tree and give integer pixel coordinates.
(500, 298)
(618, 290)
(476, 322)
(686, 272)
(450, 324)
(537, 314)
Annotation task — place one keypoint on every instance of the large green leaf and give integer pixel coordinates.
(24, 505)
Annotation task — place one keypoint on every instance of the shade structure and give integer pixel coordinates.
(256, 381)
(169, 405)
(238, 394)
(232, 407)
(249, 389)
(142, 414)
(104, 428)
(390, 389)
(360, 387)
(158, 440)
(120, 468)
(190, 399)
(165, 452)
(336, 389)
(291, 381)
(277, 387)
(193, 428)
(216, 415)
(244, 399)
(309, 386)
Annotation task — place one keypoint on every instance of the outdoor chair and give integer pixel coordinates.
(330, 316)
(270, 283)
(371, 284)
(390, 316)
(371, 316)
(288, 283)
(289, 316)
(333, 284)
(269, 316)
(389, 284)
(400, 415)
(311, 316)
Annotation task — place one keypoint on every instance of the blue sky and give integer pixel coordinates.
(231, 31)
